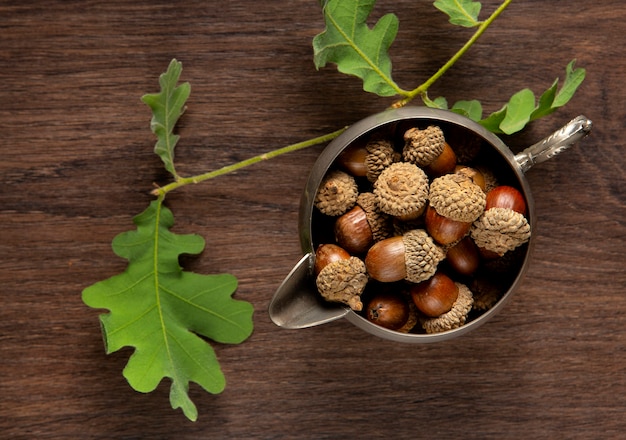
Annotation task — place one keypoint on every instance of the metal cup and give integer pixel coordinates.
(297, 304)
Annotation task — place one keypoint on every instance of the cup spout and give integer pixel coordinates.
(297, 304)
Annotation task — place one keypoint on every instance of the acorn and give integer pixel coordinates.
(367, 160)
(442, 164)
(499, 230)
(328, 253)
(388, 309)
(456, 197)
(487, 290)
(364, 224)
(443, 229)
(340, 279)
(464, 256)
(421, 147)
(503, 226)
(337, 193)
(435, 296)
(352, 160)
(504, 196)
(413, 256)
(402, 190)
(380, 154)
(455, 317)
(353, 232)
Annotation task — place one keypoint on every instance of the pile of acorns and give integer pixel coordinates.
(418, 238)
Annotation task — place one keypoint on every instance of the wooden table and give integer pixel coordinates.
(77, 165)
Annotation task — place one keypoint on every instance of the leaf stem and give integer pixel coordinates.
(182, 181)
(421, 89)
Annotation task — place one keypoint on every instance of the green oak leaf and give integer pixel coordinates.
(472, 109)
(167, 107)
(164, 312)
(460, 12)
(519, 108)
(522, 109)
(356, 49)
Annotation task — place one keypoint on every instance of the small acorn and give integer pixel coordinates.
(464, 257)
(337, 193)
(413, 256)
(402, 190)
(340, 279)
(442, 164)
(421, 147)
(380, 154)
(359, 228)
(328, 253)
(435, 296)
(353, 232)
(388, 309)
(455, 317)
(443, 229)
(368, 160)
(352, 160)
(504, 196)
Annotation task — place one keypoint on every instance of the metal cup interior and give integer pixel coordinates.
(461, 132)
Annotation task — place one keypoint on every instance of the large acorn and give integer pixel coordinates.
(413, 256)
(455, 201)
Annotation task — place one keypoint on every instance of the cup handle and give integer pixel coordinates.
(297, 304)
(554, 144)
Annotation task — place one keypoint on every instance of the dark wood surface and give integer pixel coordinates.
(77, 165)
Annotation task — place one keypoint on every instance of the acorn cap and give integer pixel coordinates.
(401, 189)
(378, 221)
(380, 154)
(423, 146)
(456, 197)
(337, 193)
(500, 230)
(421, 255)
(343, 281)
(454, 318)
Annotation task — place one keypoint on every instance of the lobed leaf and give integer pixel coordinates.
(167, 106)
(162, 311)
(460, 12)
(356, 49)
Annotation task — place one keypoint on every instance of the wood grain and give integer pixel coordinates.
(77, 165)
